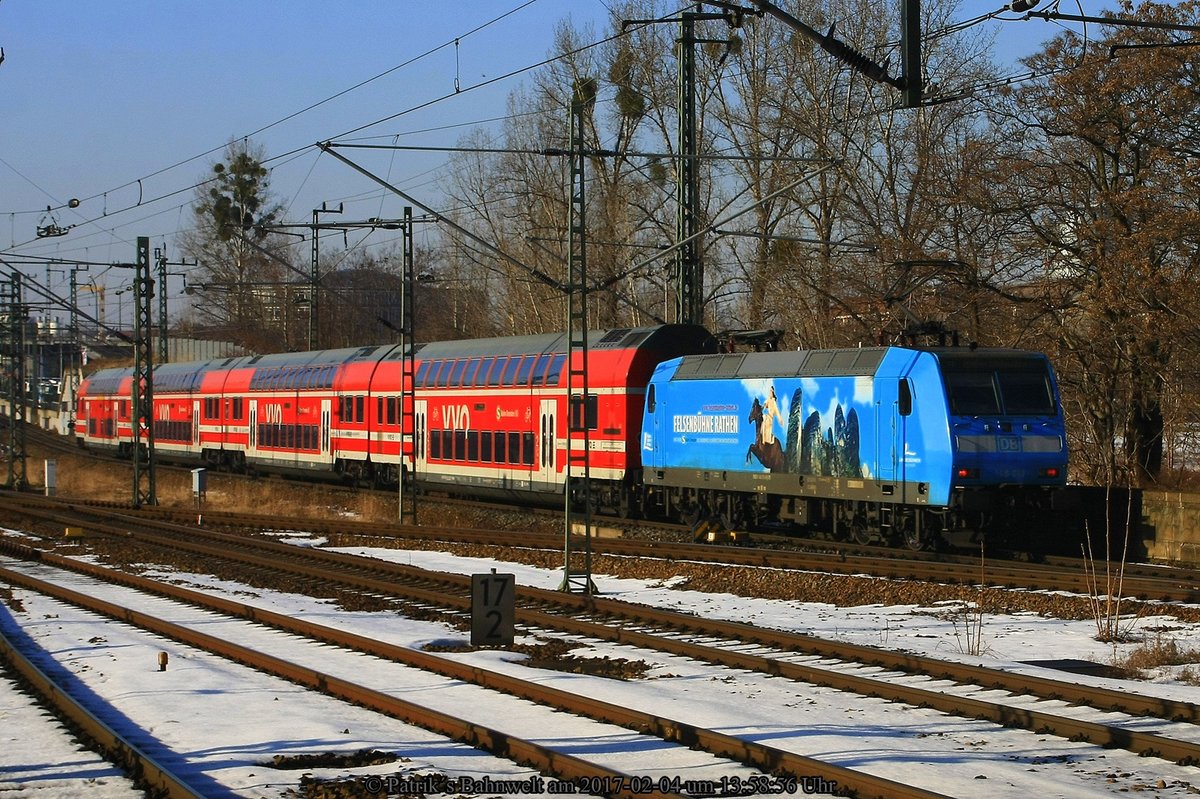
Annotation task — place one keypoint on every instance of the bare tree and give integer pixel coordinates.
(241, 268)
(1103, 184)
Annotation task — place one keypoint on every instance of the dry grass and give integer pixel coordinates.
(88, 478)
(1163, 653)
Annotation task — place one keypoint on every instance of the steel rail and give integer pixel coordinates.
(768, 758)
(1032, 719)
(521, 751)
(302, 561)
(143, 769)
(1169, 585)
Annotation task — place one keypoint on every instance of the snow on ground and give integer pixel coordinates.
(41, 759)
(225, 721)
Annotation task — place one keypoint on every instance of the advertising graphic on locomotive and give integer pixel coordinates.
(908, 444)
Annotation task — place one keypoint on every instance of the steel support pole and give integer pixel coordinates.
(142, 438)
(411, 440)
(577, 565)
(17, 478)
(689, 266)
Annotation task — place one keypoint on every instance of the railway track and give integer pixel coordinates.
(784, 766)
(114, 747)
(877, 673)
(1144, 582)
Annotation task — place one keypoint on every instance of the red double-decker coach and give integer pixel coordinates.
(488, 415)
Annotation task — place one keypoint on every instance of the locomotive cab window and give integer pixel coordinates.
(999, 386)
(1027, 393)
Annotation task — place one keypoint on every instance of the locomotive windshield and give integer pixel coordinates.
(995, 386)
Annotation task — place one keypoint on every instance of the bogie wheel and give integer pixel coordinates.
(911, 537)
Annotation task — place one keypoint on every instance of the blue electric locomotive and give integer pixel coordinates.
(905, 445)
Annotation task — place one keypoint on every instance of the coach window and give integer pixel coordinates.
(485, 447)
(526, 367)
(906, 397)
(379, 410)
(392, 404)
(527, 449)
(493, 376)
(510, 371)
(473, 446)
(445, 373)
(447, 445)
(457, 373)
(359, 410)
(472, 368)
(554, 374)
(434, 371)
(541, 367)
(501, 452)
(435, 444)
(422, 371)
(514, 447)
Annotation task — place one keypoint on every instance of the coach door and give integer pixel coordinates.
(252, 433)
(326, 415)
(420, 434)
(195, 423)
(548, 445)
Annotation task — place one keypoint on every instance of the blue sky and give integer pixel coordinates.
(126, 100)
(94, 96)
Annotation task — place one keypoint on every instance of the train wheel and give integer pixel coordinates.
(860, 533)
(910, 534)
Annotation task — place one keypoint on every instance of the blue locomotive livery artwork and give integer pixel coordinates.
(912, 446)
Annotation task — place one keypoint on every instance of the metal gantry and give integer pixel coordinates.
(142, 438)
(314, 278)
(581, 414)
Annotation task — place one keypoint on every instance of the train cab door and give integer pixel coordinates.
(420, 435)
(326, 416)
(903, 410)
(548, 441)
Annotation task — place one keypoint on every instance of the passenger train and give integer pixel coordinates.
(911, 446)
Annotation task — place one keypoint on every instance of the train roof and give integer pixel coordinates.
(597, 340)
(849, 362)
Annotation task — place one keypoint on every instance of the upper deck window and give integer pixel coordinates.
(494, 375)
(510, 371)
(523, 373)
(469, 375)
